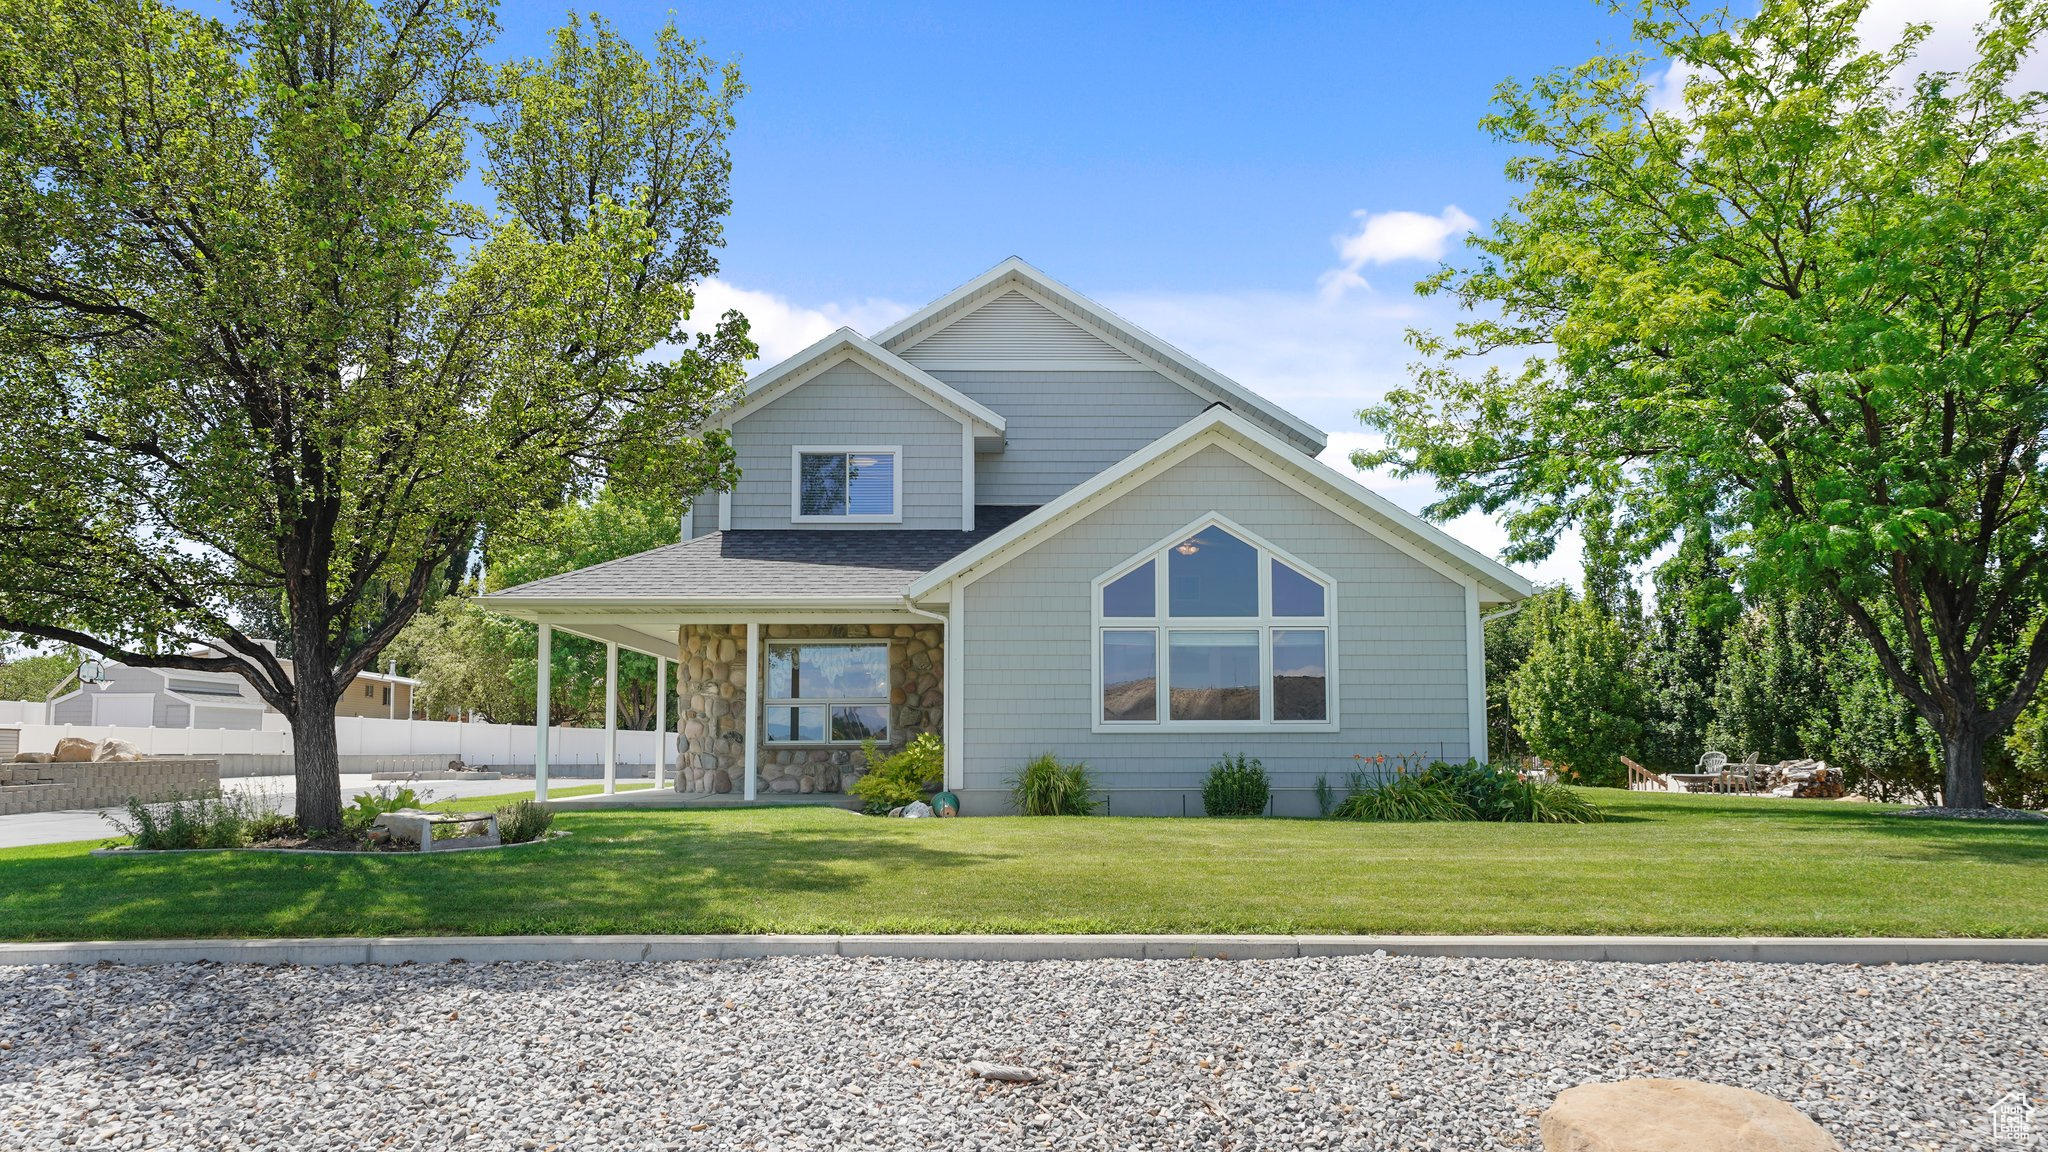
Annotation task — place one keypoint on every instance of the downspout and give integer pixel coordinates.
(1503, 614)
(947, 688)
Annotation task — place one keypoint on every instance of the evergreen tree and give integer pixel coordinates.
(1575, 698)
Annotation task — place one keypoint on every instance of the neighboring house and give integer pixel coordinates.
(1019, 521)
(378, 694)
(161, 698)
(173, 698)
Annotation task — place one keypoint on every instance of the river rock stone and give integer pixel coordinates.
(1677, 1116)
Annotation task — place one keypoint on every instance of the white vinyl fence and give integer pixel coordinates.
(367, 738)
(14, 712)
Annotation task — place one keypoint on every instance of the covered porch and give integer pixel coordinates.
(773, 704)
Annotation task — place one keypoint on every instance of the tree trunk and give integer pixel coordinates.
(316, 757)
(1962, 753)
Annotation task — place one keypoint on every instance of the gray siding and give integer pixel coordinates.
(1012, 326)
(122, 681)
(704, 515)
(847, 405)
(1066, 426)
(1401, 654)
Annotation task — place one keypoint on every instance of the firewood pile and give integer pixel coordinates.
(1807, 779)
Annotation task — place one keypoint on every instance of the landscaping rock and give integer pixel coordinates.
(31, 758)
(1010, 1073)
(116, 751)
(916, 810)
(1677, 1116)
(73, 750)
(828, 1052)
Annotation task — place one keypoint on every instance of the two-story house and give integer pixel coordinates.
(1019, 521)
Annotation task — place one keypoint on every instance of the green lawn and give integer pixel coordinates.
(1661, 864)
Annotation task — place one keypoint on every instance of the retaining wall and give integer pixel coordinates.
(107, 784)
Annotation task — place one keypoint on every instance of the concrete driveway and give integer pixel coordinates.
(89, 824)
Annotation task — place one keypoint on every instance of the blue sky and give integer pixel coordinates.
(1197, 167)
(894, 150)
(1259, 185)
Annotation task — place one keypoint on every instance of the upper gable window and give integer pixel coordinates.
(1213, 631)
(847, 485)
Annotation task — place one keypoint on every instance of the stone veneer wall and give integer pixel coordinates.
(712, 661)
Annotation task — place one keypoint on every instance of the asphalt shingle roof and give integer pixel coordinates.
(775, 562)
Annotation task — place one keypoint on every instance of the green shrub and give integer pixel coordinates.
(1548, 802)
(1404, 798)
(273, 826)
(1049, 787)
(900, 779)
(180, 821)
(524, 820)
(1326, 796)
(1468, 791)
(363, 812)
(1237, 786)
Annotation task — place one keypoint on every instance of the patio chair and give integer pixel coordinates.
(1711, 762)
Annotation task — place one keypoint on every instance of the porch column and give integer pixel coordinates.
(660, 718)
(611, 717)
(753, 744)
(540, 713)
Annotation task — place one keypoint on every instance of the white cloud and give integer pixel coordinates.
(1950, 46)
(1390, 237)
(781, 327)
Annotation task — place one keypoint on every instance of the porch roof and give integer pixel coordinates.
(747, 564)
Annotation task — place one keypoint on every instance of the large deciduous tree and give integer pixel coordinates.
(255, 347)
(1805, 308)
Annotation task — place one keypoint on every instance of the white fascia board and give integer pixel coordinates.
(846, 344)
(1369, 510)
(1111, 328)
(557, 609)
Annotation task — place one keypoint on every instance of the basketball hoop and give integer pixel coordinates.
(91, 672)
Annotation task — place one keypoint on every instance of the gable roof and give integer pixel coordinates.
(1221, 427)
(845, 344)
(1121, 338)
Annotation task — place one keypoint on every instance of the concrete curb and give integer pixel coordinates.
(126, 852)
(526, 949)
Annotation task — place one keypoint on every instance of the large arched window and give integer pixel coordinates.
(1214, 630)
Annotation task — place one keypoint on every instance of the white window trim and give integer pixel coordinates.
(797, 453)
(829, 703)
(1265, 624)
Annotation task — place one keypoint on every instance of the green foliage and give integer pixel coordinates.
(1498, 793)
(364, 809)
(1237, 786)
(1576, 698)
(272, 826)
(264, 353)
(181, 821)
(1404, 798)
(1774, 696)
(1049, 786)
(1679, 654)
(902, 778)
(1806, 310)
(524, 820)
(473, 660)
(32, 677)
(1326, 796)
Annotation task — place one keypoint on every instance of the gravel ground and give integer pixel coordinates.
(1393, 1053)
